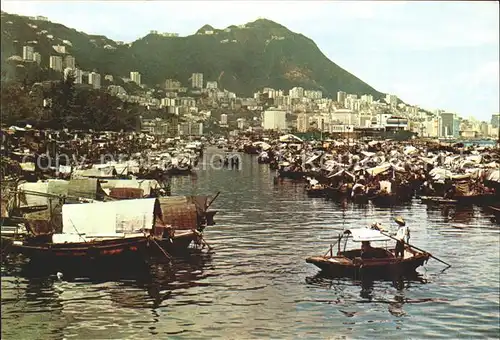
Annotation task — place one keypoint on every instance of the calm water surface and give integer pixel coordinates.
(257, 284)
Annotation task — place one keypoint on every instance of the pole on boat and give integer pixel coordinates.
(412, 246)
(213, 199)
(162, 250)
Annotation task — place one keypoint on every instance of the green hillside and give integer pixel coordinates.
(243, 59)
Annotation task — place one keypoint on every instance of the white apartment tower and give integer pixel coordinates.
(274, 119)
(212, 85)
(197, 80)
(28, 52)
(135, 77)
(37, 57)
(296, 92)
(223, 119)
(69, 62)
(56, 63)
(78, 76)
(95, 80)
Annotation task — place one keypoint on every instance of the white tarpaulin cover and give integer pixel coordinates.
(366, 234)
(125, 216)
(146, 185)
(378, 169)
(494, 176)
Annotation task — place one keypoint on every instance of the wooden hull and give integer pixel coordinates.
(179, 243)
(335, 193)
(387, 200)
(179, 172)
(296, 175)
(319, 193)
(486, 199)
(82, 254)
(360, 198)
(343, 267)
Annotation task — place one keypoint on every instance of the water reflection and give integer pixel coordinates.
(257, 283)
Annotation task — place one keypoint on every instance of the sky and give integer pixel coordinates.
(437, 54)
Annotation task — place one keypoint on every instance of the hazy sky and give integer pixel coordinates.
(438, 54)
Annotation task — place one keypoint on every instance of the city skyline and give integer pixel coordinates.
(441, 55)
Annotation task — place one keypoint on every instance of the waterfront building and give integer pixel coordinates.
(495, 120)
(448, 125)
(274, 119)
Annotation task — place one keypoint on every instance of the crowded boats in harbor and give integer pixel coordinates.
(78, 197)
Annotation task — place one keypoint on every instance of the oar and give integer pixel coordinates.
(449, 265)
(330, 250)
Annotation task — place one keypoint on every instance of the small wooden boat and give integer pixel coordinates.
(290, 174)
(384, 199)
(317, 190)
(495, 211)
(437, 200)
(380, 262)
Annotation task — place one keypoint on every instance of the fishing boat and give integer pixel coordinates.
(379, 261)
(316, 190)
(117, 231)
(95, 233)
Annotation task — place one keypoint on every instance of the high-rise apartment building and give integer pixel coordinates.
(37, 57)
(197, 80)
(95, 80)
(69, 62)
(135, 77)
(28, 52)
(56, 63)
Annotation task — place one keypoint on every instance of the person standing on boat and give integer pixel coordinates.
(403, 236)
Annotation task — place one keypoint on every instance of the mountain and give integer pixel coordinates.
(243, 59)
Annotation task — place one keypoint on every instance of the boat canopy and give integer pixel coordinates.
(290, 138)
(366, 234)
(127, 216)
(262, 145)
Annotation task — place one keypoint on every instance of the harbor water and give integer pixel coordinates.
(257, 285)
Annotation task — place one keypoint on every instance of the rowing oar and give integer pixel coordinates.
(434, 257)
(330, 250)
(213, 199)
(206, 243)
